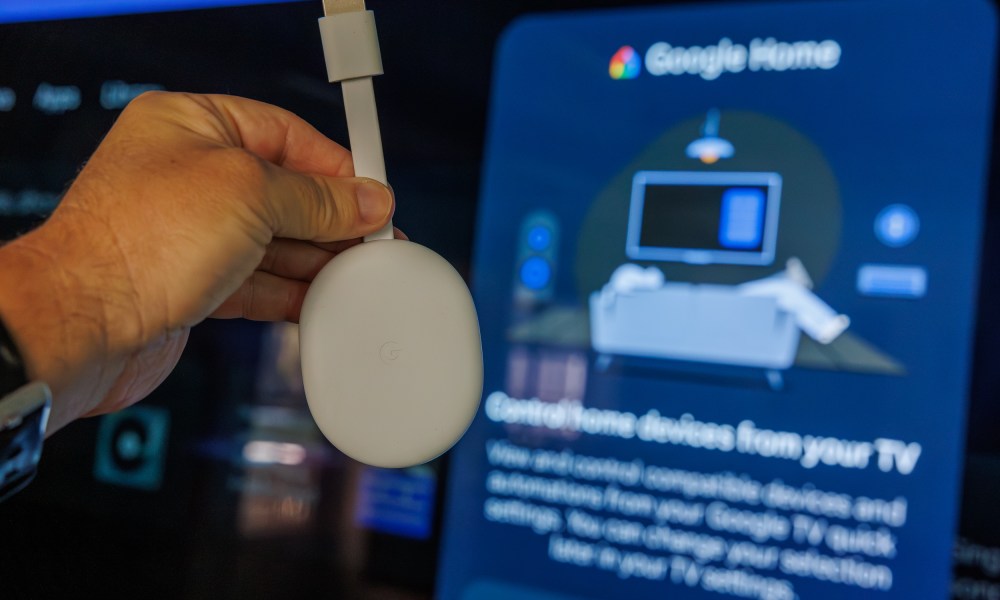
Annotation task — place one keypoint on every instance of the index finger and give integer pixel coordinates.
(272, 133)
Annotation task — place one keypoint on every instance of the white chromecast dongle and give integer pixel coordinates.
(392, 361)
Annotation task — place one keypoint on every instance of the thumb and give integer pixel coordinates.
(325, 209)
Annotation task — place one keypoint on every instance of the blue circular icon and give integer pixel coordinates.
(897, 225)
(535, 273)
(539, 238)
(129, 445)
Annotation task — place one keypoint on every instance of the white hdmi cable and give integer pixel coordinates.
(350, 45)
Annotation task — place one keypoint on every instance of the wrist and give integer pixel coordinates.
(58, 319)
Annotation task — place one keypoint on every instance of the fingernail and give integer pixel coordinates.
(374, 201)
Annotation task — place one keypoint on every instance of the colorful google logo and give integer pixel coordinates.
(624, 64)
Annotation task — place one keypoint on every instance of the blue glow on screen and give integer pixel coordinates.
(742, 223)
(536, 273)
(17, 11)
(539, 238)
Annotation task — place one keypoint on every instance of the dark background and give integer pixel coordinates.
(71, 535)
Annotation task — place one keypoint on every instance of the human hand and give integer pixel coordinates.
(192, 206)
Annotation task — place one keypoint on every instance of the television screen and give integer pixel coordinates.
(714, 395)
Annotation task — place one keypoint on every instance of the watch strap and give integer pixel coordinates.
(24, 413)
(23, 417)
(12, 373)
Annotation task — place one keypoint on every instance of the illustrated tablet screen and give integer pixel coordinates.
(702, 218)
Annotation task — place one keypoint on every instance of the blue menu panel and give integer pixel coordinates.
(726, 273)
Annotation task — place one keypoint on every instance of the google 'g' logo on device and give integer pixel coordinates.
(625, 64)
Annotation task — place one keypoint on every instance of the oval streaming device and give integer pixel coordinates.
(392, 361)
(391, 355)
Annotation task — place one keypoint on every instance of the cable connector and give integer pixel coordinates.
(332, 7)
(350, 45)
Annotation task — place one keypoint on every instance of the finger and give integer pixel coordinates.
(281, 137)
(293, 259)
(325, 209)
(265, 297)
(302, 261)
(338, 247)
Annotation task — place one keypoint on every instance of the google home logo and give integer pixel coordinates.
(714, 60)
(625, 64)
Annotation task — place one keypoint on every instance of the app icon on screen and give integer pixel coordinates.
(625, 64)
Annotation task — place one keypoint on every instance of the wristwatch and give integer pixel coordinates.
(24, 411)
